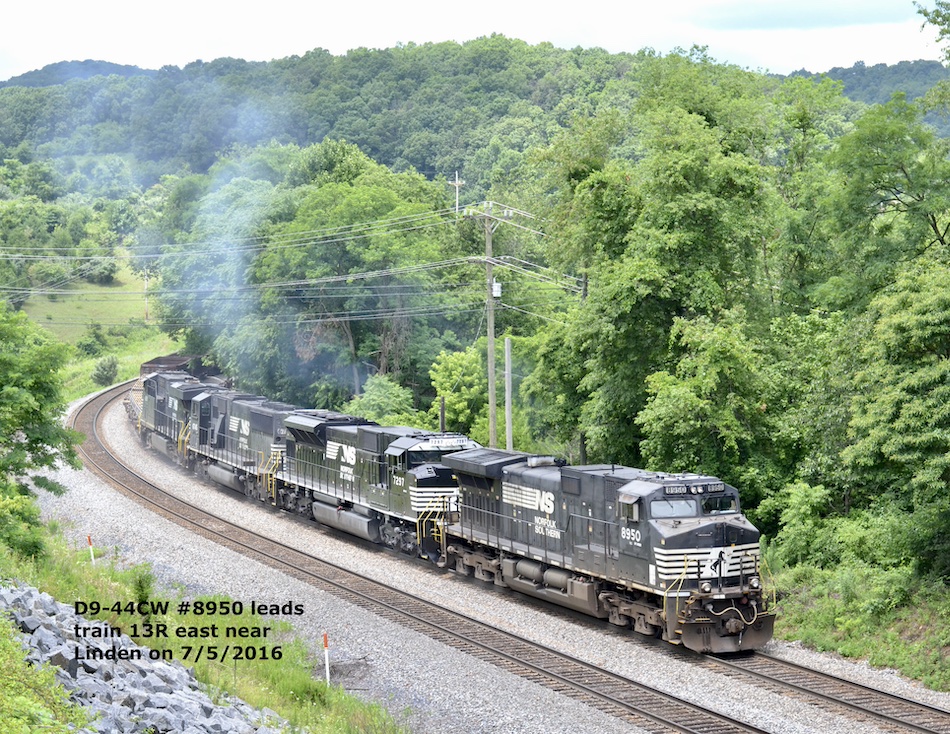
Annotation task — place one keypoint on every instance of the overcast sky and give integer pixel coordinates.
(768, 35)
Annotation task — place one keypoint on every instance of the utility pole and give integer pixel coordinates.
(457, 184)
(509, 432)
(490, 225)
(491, 220)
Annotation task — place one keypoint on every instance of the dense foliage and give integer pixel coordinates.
(738, 274)
(31, 435)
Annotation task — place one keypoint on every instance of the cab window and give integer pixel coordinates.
(666, 507)
(418, 458)
(722, 505)
(629, 511)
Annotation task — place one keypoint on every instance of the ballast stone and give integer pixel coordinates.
(128, 695)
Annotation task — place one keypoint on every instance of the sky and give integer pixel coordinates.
(778, 36)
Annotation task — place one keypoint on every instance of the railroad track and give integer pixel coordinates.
(628, 700)
(884, 710)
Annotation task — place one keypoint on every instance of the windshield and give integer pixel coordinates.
(673, 507)
(432, 456)
(720, 505)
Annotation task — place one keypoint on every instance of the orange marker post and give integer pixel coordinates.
(92, 556)
(326, 656)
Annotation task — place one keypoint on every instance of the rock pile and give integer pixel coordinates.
(118, 680)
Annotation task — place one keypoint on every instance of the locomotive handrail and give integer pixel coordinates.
(183, 435)
(681, 579)
(771, 577)
(431, 512)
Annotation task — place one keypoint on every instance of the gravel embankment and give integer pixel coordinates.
(425, 684)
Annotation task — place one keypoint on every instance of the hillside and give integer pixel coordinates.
(878, 83)
(63, 72)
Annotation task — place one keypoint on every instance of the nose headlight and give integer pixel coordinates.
(706, 587)
(754, 583)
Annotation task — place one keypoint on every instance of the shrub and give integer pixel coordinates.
(105, 371)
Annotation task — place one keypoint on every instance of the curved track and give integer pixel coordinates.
(620, 697)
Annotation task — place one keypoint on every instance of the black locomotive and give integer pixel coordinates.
(669, 555)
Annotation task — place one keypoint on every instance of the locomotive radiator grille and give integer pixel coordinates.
(706, 563)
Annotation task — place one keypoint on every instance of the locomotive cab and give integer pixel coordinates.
(417, 474)
(705, 562)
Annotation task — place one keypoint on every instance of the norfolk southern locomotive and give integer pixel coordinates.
(669, 555)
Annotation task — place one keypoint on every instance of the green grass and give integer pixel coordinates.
(149, 343)
(890, 618)
(31, 700)
(68, 316)
(119, 309)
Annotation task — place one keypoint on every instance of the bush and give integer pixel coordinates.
(105, 371)
(93, 342)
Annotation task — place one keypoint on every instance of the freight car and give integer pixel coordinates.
(669, 555)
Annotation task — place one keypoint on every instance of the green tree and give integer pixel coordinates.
(710, 413)
(675, 233)
(32, 437)
(901, 423)
(385, 402)
(106, 370)
(459, 378)
(349, 303)
(796, 251)
(892, 200)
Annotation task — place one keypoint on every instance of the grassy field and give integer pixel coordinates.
(68, 316)
(118, 310)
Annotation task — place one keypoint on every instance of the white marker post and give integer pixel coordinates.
(92, 556)
(326, 656)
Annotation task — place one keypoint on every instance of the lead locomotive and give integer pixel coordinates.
(669, 555)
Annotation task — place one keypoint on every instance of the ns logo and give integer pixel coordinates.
(346, 454)
(528, 497)
(240, 426)
(546, 502)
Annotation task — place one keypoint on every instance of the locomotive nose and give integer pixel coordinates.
(726, 533)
